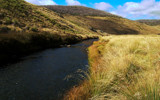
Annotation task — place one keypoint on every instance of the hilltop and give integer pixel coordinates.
(79, 11)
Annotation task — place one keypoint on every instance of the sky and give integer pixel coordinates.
(131, 9)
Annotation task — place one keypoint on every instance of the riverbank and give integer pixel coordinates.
(122, 67)
(45, 75)
(16, 45)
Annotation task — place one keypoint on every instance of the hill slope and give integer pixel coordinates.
(102, 22)
(113, 25)
(78, 10)
(20, 16)
(150, 22)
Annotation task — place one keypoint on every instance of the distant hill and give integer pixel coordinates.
(150, 22)
(112, 25)
(101, 21)
(78, 10)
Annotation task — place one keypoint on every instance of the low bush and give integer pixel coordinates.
(34, 29)
(8, 21)
(4, 29)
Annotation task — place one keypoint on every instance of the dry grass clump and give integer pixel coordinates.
(128, 69)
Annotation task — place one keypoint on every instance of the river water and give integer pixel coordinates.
(45, 75)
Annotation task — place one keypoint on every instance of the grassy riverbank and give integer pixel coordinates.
(122, 68)
(15, 45)
(26, 28)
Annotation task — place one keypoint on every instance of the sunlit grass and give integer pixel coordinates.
(128, 69)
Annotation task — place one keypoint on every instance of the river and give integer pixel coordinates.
(45, 75)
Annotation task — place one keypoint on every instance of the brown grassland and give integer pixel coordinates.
(150, 22)
(122, 68)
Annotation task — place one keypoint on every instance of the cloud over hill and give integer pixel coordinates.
(144, 9)
(42, 2)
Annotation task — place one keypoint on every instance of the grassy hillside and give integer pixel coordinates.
(150, 22)
(78, 10)
(112, 25)
(102, 22)
(122, 68)
(20, 16)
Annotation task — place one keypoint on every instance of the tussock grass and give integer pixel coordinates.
(123, 68)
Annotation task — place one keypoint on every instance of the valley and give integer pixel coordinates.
(58, 52)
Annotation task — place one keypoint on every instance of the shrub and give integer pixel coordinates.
(2, 15)
(52, 21)
(15, 22)
(4, 29)
(34, 29)
(1, 22)
(93, 29)
(8, 21)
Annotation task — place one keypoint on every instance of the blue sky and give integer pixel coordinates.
(90, 2)
(131, 9)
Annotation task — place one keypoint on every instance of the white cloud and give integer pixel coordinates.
(42, 2)
(102, 6)
(73, 2)
(147, 8)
